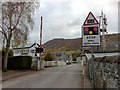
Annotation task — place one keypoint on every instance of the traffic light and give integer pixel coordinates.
(91, 30)
(39, 50)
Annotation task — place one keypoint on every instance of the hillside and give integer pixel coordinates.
(63, 44)
(75, 44)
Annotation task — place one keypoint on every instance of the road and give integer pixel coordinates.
(71, 76)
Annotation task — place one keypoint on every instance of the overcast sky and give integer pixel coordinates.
(64, 18)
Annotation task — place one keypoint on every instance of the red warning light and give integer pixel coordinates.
(86, 29)
(95, 29)
(90, 31)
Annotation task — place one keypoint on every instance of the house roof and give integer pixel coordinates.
(27, 47)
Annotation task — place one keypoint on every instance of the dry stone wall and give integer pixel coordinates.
(104, 72)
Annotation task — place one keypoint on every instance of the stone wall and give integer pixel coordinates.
(104, 72)
(0, 59)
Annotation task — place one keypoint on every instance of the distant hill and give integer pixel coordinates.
(63, 44)
(75, 44)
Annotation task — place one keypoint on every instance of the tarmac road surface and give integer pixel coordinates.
(70, 76)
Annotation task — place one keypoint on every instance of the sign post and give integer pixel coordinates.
(91, 36)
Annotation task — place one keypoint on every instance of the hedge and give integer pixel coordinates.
(19, 62)
(48, 57)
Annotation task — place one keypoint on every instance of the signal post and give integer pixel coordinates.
(91, 36)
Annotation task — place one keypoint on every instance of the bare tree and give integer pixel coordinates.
(16, 23)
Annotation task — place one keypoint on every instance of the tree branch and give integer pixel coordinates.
(3, 32)
(17, 20)
(5, 24)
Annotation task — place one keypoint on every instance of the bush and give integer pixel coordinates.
(19, 62)
(48, 57)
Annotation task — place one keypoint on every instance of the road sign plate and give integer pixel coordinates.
(90, 20)
(89, 40)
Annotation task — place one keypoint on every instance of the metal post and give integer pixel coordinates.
(40, 43)
(38, 63)
(40, 60)
(41, 33)
(92, 57)
(38, 68)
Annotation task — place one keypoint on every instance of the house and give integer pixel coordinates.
(59, 56)
(30, 51)
(26, 51)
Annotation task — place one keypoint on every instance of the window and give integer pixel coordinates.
(24, 51)
(32, 51)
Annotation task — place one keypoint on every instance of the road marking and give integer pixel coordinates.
(55, 73)
(83, 78)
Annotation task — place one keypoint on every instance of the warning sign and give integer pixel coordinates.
(90, 20)
(90, 31)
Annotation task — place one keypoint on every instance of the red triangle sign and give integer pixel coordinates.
(90, 20)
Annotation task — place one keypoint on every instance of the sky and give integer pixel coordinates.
(64, 18)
